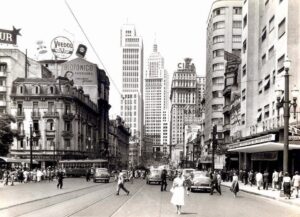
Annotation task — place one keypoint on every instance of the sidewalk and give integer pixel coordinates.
(275, 195)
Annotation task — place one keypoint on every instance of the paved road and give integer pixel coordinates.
(146, 200)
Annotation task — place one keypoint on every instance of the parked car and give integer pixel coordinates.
(125, 175)
(154, 176)
(200, 180)
(101, 174)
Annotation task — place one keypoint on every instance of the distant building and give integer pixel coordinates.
(157, 102)
(183, 107)
(132, 103)
(63, 119)
(224, 33)
(119, 135)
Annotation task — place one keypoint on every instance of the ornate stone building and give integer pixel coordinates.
(61, 119)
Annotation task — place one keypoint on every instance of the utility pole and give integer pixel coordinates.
(30, 147)
(214, 144)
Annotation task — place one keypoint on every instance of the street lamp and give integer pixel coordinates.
(286, 110)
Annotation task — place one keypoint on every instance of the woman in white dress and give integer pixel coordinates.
(178, 192)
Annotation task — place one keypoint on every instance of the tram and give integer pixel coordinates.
(77, 168)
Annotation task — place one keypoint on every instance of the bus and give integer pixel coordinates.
(77, 168)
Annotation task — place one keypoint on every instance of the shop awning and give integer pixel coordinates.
(16, 160)
(264, 147)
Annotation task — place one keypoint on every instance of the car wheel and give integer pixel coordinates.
(94, 180)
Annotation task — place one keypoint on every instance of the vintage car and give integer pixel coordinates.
(201, 181)
(101, 174)
(154, 176)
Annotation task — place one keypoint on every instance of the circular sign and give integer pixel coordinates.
(62, 47)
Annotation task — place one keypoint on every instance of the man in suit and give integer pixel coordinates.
(60, 177)
(266, 180)
(164, 183)
(214, 183)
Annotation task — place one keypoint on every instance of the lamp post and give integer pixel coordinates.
(30, 146)
(286, 111)
(214, 144)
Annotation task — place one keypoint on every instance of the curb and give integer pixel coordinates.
(267, 196)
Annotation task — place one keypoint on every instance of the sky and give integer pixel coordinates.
(177, 26)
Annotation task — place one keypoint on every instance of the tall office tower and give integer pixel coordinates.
(201, 82)
(270, 35)
(156, 102)
(132, 89)
(224, 33)
(183, 106)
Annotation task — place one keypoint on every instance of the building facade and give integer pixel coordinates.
(132, 87)
(58, 118)
(267, 39)
(224, 33)
(183, 107)
(119, 135)
(157, 102)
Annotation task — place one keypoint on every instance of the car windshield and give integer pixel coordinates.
(199, 174)
(189, 171)
(155, 172)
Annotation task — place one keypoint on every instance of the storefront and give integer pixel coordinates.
(266, 153)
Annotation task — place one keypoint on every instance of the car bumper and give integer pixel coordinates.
(200, 187)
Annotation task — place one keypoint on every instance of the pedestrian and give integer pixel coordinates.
(163, 186)
(266, 180)
(219, 182)
(280, 178)
(259, 179)
(245, 177)
(39, 175)
(131, 176)
(214, 183)
(274, 180)
(88, 175)
(60, 177)
(12, 175)
(251, 177)
(235, 184)
(5, 177)
(296, 183)
(25, 174)
(286, 185)
(178, 192)
(121, 184)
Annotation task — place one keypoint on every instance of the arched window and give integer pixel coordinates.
(36, 89)
(50, 124)
(20, 89)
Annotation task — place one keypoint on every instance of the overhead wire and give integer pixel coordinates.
(94, 50)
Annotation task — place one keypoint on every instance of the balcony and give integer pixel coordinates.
(226, 109)
(36, 134)
(20, 115)
(35, 115)
(51, 115)
(67, 134)
(2, 103)
(226, 127)
(68, 116)
(3, 88)
(21, 134)
(50, 133)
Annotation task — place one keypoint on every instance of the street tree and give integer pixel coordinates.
(6, 133)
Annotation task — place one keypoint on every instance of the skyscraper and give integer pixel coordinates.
(132, 88)
(156, 102)
(224, 33)
(183, 109)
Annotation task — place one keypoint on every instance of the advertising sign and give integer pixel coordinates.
(9, 36)
(62, 47)
(80, 71)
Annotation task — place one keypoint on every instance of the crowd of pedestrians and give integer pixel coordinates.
(25, 175)
(277, 180)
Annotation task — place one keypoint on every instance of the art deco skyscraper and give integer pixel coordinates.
(132, 88)
(156, 102)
